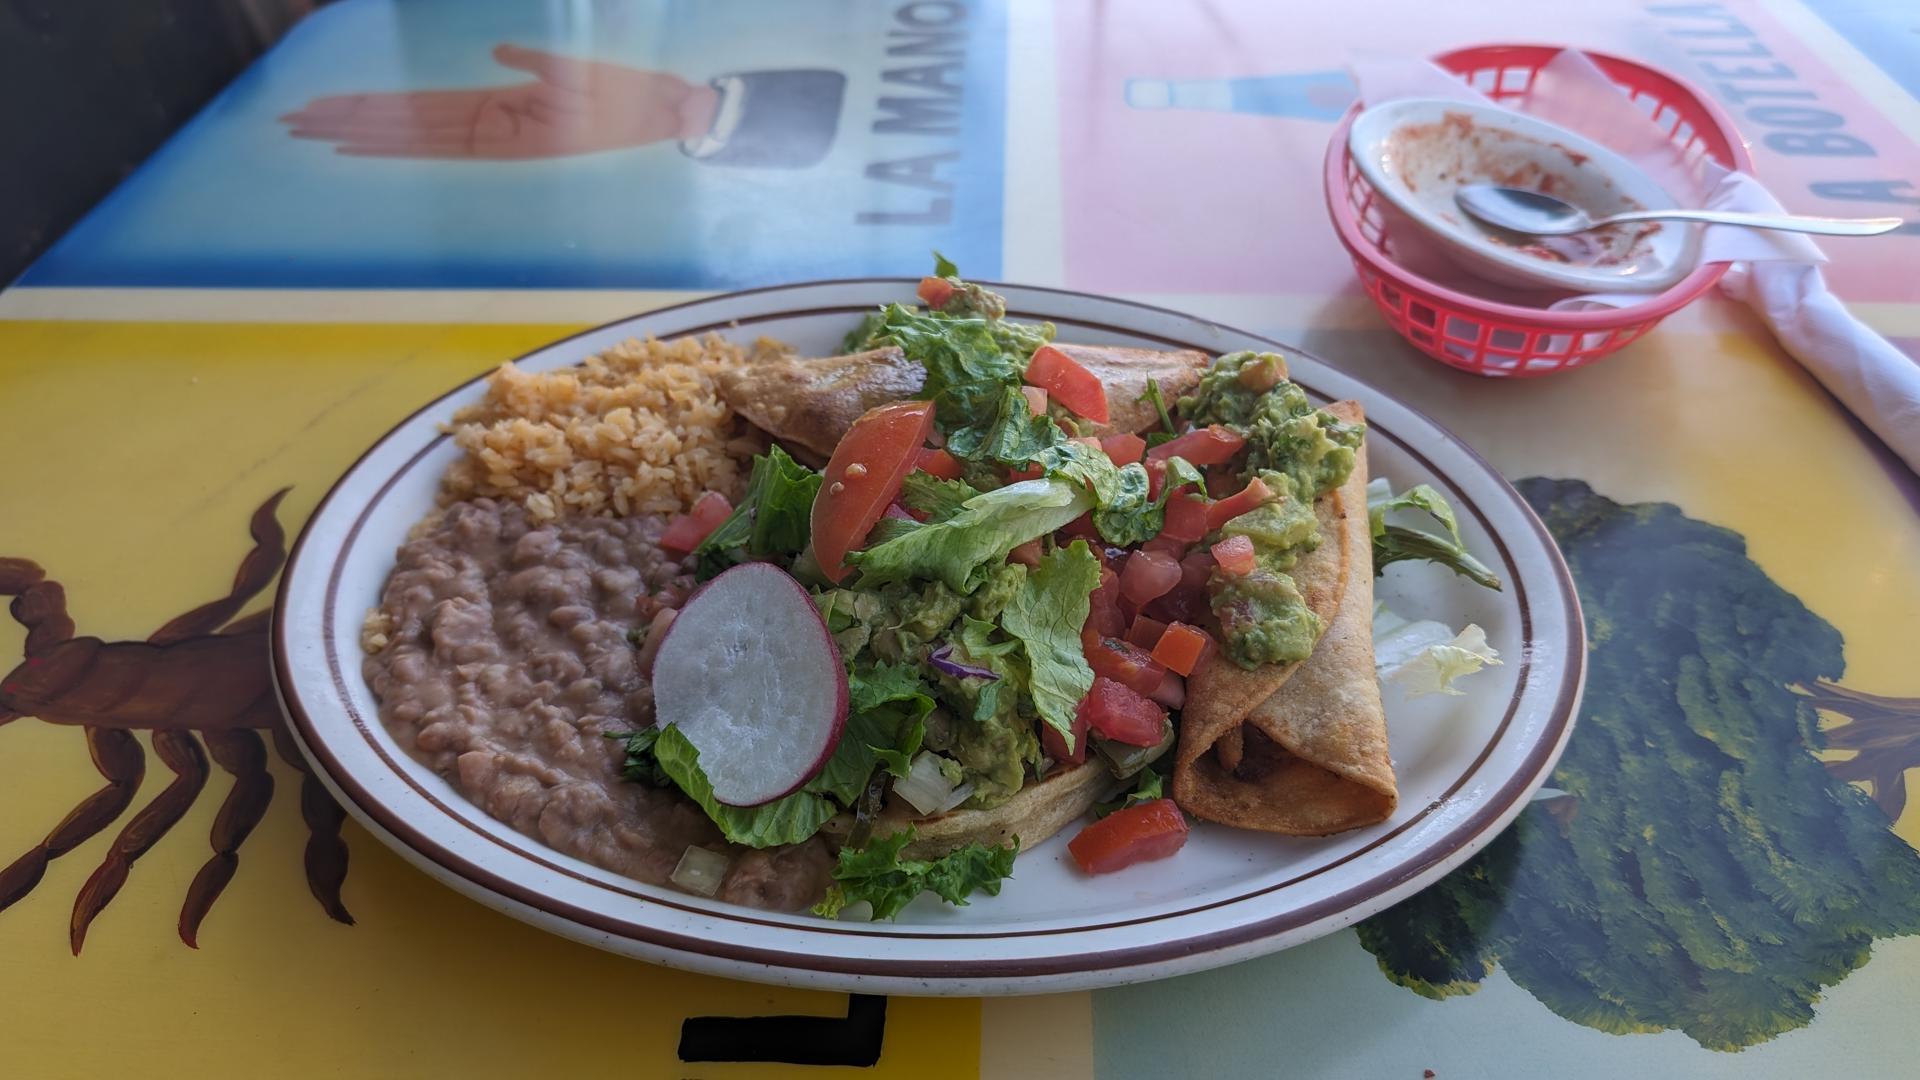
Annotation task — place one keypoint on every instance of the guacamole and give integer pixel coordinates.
(1301, 453)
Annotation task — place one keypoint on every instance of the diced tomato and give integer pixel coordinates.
(1081, 528)
(1087, 441)
(1036, 400)
(935, 292)
(863, 476)
(1125, 664)
(1235, 555)
(1255, 494)
(1027, 554)
(1156, 476)
(1148, 574)
(1213, 445)
(1103, 608)
(1172, 692)
(1123, 715)
(1145, 632)
(1186, 518)
(1182, 647)
(1171, 546)
(1055, 744)
(1071, 384)
(1195, 569)
(895, 510)
(938, 463)
(1030, 472)
(1151, 830)
(1124, 449)
(687, 531)
(1181, 605)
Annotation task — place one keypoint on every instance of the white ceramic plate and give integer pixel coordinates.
(1417, 152)
(1467, 765)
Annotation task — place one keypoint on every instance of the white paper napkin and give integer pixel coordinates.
(1776, 273)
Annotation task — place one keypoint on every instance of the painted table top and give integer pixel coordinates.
(1722, 877)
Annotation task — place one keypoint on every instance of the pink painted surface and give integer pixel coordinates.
(1204, 200)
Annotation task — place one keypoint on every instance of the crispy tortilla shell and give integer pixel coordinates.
(1299, 749)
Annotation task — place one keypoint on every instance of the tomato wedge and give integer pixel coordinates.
(689, 530)
(1124, 449)
(1182, 647)
(1151, 830)
(1213, 445)
(1128, 665)
(1069, 383)
(935, 292)
(1254, 495)
(938, 463)
(863, 477)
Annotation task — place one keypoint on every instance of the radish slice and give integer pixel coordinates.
(749, 674)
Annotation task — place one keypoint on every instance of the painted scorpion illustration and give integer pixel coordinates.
(204, 674)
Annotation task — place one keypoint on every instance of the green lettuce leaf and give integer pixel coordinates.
(886, 719)
(967, 371)
(943, 266)
(773, 518)
(938, 499)
(1046, 618)
(1148, 785)
(1394, 543)
(641, 767)
(962, 549)
(878, 875)
(786, 820)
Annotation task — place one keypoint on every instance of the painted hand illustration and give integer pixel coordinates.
(572, 106)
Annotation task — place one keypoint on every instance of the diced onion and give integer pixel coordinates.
(924, 787)
(958, 796)
(700, 871)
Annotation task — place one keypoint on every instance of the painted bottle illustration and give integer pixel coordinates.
(1312, 95)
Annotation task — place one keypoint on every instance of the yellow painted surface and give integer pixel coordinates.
(133, 455)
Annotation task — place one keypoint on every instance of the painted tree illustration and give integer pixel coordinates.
(1704, 870)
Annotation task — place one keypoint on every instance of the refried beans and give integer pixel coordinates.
(502, 659)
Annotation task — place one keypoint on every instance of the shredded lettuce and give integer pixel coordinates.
(961, 550)
(773, 518)
(1426, 657)
(878, 875)
(1046, 618)
(1395, 543)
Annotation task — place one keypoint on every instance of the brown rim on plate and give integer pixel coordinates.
(1544, 751)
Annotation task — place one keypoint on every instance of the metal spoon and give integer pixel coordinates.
(1544, 215)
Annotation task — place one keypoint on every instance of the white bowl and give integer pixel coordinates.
(1417, 152)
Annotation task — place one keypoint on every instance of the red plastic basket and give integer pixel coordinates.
(1506, 340)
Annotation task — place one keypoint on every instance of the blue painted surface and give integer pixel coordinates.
(1888, 34)
(233, 200)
